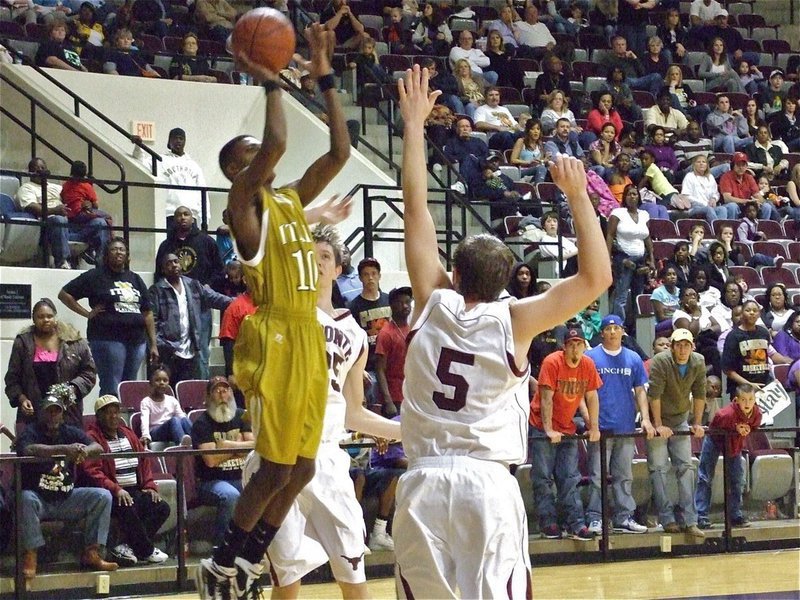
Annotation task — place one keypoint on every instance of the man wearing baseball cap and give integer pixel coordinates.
(773, 98)
(138, 509)
(677, 390)
(621, 397)
(48, 488)
(219, 476)
(565, 379)
(740, 187)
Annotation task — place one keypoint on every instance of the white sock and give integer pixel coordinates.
(379, 527)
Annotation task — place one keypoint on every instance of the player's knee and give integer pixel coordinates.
(272, 475)
(302, 473)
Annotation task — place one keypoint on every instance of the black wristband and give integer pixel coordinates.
(270, 86)
(326, 82)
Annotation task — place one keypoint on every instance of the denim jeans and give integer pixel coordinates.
(171, 430)
(636, 36)
(730, 143)
(95, 233)
(707, 212)
(503, 140)
(656, 211)
(223, 495)
(453, 102)
(678, 450)
(731, 210)
(559, 463)
(205, 342)
(769, 211)
(115, 362)
(91, 504)
(537, 173)
(619, 457)
(649, 83)
(491, 77)
(705, 477)
(625, 280)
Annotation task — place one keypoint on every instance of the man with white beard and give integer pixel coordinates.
(219, 476)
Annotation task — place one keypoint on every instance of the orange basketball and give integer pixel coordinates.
(266, 36)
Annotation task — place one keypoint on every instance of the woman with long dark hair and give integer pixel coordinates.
(45, 354)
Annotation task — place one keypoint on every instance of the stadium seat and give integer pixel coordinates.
(771, 470)
(645, 321)
(663, 251)
(685, 226)
(130, 393)
(769, 248)
(509, 95)
(662, 229)
(191, 393)
(772, 275)
(19, 241)
(751, 277)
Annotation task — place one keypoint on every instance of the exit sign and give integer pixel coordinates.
(145, 130)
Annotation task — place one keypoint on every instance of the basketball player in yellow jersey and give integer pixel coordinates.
(280, 359)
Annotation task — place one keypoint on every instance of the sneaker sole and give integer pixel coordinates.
(123, 561)
(624, 530)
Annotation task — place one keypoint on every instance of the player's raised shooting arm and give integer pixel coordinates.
(561, 302)
(421, 248)
(326, 167)
(357, 417)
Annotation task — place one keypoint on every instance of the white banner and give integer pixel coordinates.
(772, 399)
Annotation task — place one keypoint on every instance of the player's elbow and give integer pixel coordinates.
(340, 152)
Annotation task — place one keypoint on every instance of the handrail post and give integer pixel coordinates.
(126, 216)
(33, 127)
(46, 249)
(20, 586)
(726, 482)
(203, 211)
(390, 132)
(367, 222)
(448, 223)
(181, 524)
(604, 537)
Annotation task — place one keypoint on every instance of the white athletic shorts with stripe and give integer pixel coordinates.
(325, 523)
(460, 530)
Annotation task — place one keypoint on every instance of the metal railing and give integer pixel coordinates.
(605, 549)
(459, 213)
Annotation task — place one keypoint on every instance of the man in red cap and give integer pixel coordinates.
(739, 186)
(219, 476)
(566, 378)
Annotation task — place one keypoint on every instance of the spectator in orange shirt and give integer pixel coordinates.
(568, 383)
(232, 318)
(390, 350)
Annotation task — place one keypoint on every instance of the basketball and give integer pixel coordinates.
(266, 36)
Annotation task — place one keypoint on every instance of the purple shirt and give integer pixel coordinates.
(665, 157)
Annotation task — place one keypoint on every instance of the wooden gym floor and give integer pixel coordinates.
(773, 575)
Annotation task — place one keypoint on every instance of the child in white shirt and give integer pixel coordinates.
(163, 419)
